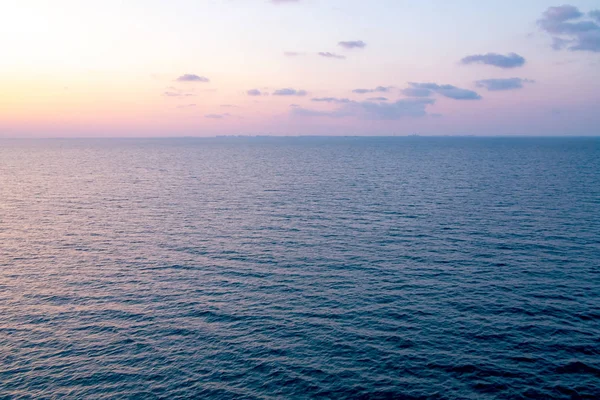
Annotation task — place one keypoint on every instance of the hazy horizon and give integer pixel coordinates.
(274, 136)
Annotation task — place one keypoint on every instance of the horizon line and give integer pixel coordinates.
(259, 136)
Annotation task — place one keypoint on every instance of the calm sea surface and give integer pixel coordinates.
(443, 268)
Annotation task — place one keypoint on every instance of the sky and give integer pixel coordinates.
(150, 68)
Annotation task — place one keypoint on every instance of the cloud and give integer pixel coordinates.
(353, 44)
(561, 13)
(255, 92)
(331, 100)
(192, 78)
(292, 54)
(449, 91)
(307, 112)
(186, 105)
(588, 41)
(559, 43)
(377, 99)
(512, 60)
(229, 106)
(331, 55)
(555, 111)
(372, 110)
(378, 89)
(567, 33)
(172, 91)
(502, 84)
(416, 92)
(217, 116)
(177, 94)
(289, 92)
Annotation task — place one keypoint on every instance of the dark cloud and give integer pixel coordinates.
(331, 100)
(502, 84)
(353, 44)
(416, 92)
(449, 91)
(377, 99)
(512, 60)
(569, 30)
(331, 55)
(372, 110)
(217, 116)
(254, 92)
(192, 78)
(289, 92)
(378, 89)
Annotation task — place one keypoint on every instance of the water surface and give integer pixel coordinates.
(444, 268)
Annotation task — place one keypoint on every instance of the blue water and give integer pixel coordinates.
(405, 268)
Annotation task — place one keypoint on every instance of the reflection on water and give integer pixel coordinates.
(270, 268)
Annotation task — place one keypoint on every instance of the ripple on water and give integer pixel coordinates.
(300, 268)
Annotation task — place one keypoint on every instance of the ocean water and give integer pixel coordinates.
(265, 268)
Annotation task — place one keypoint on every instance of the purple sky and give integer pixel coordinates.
(299, 67)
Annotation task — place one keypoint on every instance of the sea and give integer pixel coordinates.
(300, 268)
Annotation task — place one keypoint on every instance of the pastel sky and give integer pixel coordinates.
(298, 67)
